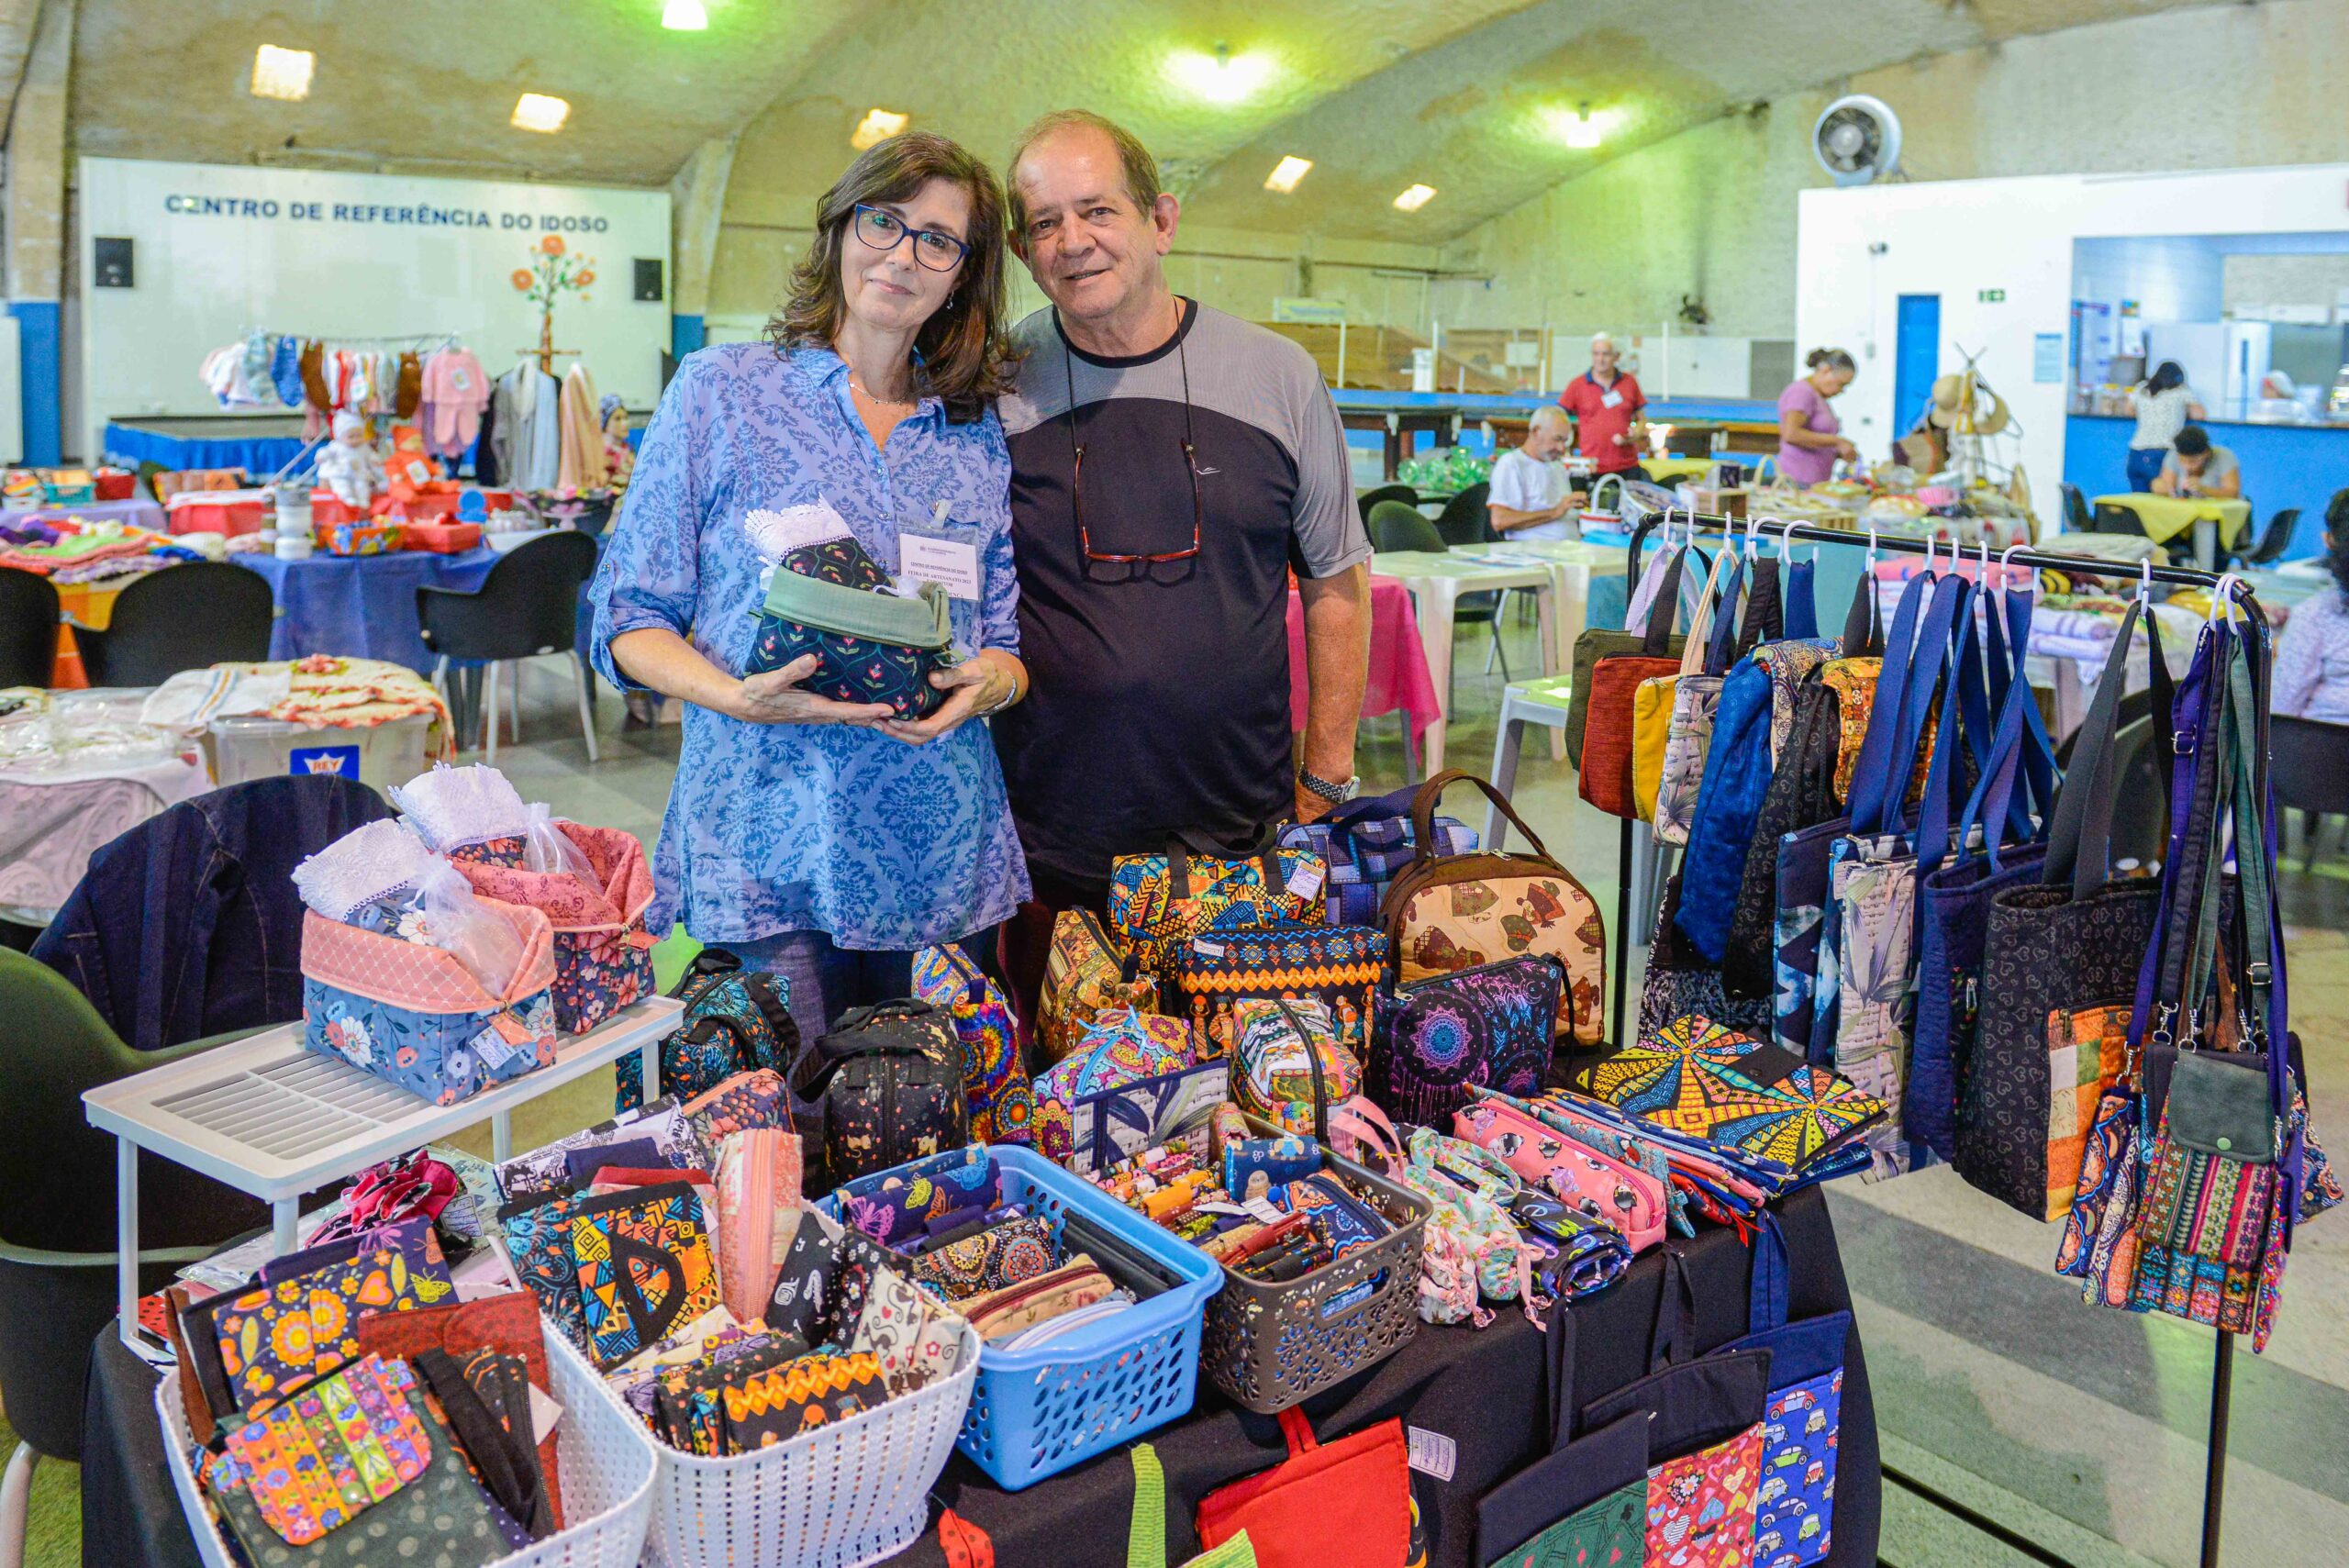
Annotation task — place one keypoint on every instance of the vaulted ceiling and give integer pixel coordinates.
(1380, 94)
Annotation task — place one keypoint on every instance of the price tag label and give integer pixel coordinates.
(1432, 1453)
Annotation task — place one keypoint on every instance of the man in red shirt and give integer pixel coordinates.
(1606, 404)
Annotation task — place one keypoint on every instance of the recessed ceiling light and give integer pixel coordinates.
(283, 73)
(537, 111)
(876, 126)
(1578, 128)
(1288, 172)
(683, 15)
(1414, 198)
(1221, 77)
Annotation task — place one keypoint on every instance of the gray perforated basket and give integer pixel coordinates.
(1269, 1346)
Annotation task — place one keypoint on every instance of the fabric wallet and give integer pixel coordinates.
(757, 1197)
(1001, 1314)
(891, 1205)
(1346, 1222)
(825, 1273)
(544, 1169)
(1279, 1160)
(799, 1398)
(688, 1401)
(281, 1333)
(645, 1266)
(915, 1341)
(1107, 1125)
(991, 1261)
(339, 1446)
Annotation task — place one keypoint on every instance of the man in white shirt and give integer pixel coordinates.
(1532, 495)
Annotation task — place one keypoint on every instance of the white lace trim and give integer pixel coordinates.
(367, 864)
(776, 534)
(453, 806)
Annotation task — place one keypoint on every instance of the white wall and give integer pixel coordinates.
(385, 265)
(1964, 236)
(2172, 279)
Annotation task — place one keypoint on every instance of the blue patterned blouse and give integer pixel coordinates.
(774, 828)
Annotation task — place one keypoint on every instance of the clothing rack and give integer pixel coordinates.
(421, 342)
(1762, 528)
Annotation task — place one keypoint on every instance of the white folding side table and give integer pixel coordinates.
(266, 1116)
(1436, 582)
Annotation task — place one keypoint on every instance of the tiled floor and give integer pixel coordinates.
(2080, 1429)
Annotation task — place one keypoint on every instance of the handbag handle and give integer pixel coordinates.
(1693, 655)
(1182, 844)
(1864, 621)
(1802, 600)
(1721, 647)
(837, 1047)
(1362, 1120)
(1299, 1432)
(2078, 840)
(1764, 620)
(1431, 795)
(1657, 639)
(1671, 1340)
(1910, 670)
(1312, 1066)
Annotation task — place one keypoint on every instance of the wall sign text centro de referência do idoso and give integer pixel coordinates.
(419, 215)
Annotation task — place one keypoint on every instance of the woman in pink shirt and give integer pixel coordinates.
(1808, 443)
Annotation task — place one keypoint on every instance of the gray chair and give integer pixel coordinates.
(1398, 526)
(2273, 539)
(2308, 760)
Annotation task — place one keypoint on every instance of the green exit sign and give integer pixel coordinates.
(1992, 297)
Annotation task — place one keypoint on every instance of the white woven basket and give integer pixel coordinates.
(845, 1496)
(608, 1464)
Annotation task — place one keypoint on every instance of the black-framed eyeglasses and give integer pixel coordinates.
(1076, 475)
(933, 248)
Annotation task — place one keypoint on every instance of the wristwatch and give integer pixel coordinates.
(1335, 794)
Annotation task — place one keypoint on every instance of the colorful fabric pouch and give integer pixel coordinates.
(993, 1260)
(1001, 1314)
(546, 1169)
(1116, 1123)
(1279, 1160)
(826, 597)
(415, 1016)
(505, 1325)
(284, 1332)
(893, 1206)
(1290, 1067)
(1158, 903)
(1592, 1185)
(1761, 1101)
(747, 1100)
(827, 1274)
(644, 1265)
(1085, 974)
(915, 1341)
(1117, 1048)
(1434, 1042)
(1339, 966)
(1003, 1100)
(799, 1398)
(603, 954)
(758, 1196)
(1558, 1109)
(1346, 1222)
(347, 1441)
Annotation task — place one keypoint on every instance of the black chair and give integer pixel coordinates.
(2308, 760)
(1367, 499)
(1465, 519)
(2108, 518)
(528, 606)
(2076, 509)
(1398, 526)
(28, 616)
(2273, 539)
(183, 617)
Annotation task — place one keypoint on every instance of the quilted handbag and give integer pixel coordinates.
(1596, 644)
(1592, 1185)
(872, 644)
(1003, 1101)
(889, 1084)
(415, 1016)
(1793, 1519)
(1158, 903)
(1436, 1041)
(1289, 1066)
(1770, 1106)
(1365, 843)
(1339, 966)
(1606, 763)
(736, 1021)
(1085, 974)
(1454, 913)
(1116, 1049)
(2060, 960)
(1284, 1513)
(603, 954)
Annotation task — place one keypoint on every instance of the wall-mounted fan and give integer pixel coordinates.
(1857, 140)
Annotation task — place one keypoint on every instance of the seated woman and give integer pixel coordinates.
(820, 839)
(2311, 678)
(2198, 466)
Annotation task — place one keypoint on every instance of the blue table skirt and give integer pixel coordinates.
(361, 606)
(258, 455)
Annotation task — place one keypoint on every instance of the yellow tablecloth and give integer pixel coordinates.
(1673, 470)
(2167, 517)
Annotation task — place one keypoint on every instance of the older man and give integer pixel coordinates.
(1532, 495)
(1170, 464)
(1607, 403)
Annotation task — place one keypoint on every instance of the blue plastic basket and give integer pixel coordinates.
(1034, 1413)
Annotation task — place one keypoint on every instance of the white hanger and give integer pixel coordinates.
(2145, 584)
(1871, 562)
(2222, 597)
(2006, 564)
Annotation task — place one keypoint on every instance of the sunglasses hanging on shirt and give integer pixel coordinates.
(1076, 474)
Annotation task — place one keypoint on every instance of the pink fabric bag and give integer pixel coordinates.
(603, 953)
(1622, 1195)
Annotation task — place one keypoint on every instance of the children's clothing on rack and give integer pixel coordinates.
(581, 463)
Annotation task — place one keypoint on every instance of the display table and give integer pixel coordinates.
(1481, 1388)
(1399, 680)
(260, 444)
(361, 605)
(1437, 580)
(2217, 524)
(137, 512)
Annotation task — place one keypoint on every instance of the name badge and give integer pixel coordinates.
(952, 566)
(1612, 400)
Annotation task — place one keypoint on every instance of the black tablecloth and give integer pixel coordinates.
(1481, 1388)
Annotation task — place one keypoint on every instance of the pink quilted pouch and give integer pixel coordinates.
(603, 953)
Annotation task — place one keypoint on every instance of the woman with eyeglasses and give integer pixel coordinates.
(820, 839)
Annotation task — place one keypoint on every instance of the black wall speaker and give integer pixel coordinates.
(648, 277)
(113, 268)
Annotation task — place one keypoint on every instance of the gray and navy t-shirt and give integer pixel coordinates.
(1161, 690)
